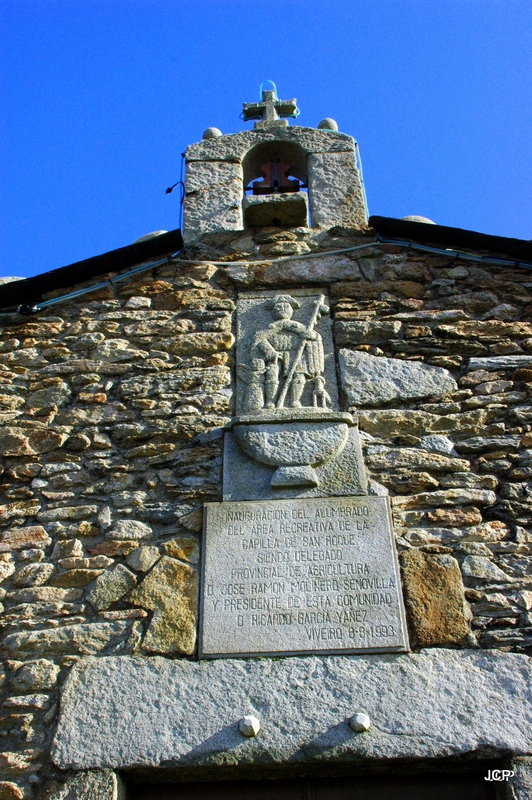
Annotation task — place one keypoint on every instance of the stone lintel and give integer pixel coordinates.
(129, 712)
(233, 147)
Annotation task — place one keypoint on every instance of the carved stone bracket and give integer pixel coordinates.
(294, 443)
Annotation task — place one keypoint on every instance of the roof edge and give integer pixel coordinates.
(29, 290)
(430, 234)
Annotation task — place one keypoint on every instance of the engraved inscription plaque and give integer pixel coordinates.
(300, 576)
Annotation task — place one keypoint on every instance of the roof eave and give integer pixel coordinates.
(443, 236)
(30, 290)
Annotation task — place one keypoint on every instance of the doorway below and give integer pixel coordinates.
(469, 786)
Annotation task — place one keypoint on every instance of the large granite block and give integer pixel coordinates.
(153, 712)
(220, 174)
(373, 381)
(335, 191)
(213, 198)
(275, 209)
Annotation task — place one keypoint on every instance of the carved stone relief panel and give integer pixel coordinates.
(285, 355)
(289, 438)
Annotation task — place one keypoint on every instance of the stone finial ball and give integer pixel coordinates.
(360, 722)
(11, 278)
(249, 726)
(147, 236)
(212, 133)
(328, 124)
(415, 218)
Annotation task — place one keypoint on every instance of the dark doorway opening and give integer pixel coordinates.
(441, 786)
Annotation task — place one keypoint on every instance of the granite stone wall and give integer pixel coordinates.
(113, 408)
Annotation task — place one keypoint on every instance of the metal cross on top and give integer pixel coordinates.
(270, 108)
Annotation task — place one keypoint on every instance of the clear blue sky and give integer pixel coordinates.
(99, 99)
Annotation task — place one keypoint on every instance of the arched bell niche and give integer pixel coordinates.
(289, 153)
(219, 170)
(275, 173)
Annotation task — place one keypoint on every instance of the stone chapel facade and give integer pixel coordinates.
(266, 510)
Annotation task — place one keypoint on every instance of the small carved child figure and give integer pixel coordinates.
(253, 377)
(320, 396)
